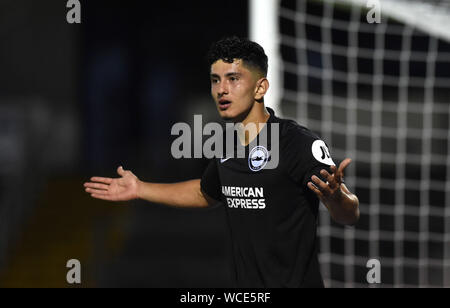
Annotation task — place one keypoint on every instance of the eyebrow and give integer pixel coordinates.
(231, 74)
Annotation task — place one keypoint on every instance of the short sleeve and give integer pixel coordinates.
(210, 181)
(305, 156)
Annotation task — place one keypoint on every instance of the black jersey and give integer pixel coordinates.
(272, 213)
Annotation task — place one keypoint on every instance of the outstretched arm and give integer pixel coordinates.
(128, 187)
(183, 194)
(341, 203)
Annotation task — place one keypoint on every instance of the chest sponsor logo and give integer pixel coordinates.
(244, 197)
(258, 158)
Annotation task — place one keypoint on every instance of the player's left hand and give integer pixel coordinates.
(329, 191)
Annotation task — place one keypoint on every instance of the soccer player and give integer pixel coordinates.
(272, 213)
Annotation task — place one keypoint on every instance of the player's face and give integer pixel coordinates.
(233, 88)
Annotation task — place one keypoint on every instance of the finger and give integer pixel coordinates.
(101, 180)
(330, 178)
(322, 186)
(315, 190)
(96, 191)
(344, 165)
(340, 172)
(120, 171)
(96, 185)
(333, 169)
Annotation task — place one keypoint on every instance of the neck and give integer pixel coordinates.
(257, 117)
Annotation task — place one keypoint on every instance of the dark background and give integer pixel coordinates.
(80, 100)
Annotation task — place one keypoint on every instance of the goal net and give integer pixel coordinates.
(378, 93)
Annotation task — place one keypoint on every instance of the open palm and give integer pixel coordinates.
(124, 188)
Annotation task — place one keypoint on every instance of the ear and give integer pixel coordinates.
(262, 85)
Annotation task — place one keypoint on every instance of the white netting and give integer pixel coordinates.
(380, 94)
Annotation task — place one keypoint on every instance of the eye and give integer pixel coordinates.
(233, 78)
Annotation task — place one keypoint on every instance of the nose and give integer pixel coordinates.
(222, 89)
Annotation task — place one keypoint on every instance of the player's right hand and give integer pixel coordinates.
(124, 188)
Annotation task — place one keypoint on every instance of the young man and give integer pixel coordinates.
(272, 212)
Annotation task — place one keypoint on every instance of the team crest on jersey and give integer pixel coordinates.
(258, 158)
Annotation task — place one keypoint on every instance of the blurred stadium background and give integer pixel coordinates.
(78, 100)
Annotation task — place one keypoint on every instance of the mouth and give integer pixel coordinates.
(224, 104)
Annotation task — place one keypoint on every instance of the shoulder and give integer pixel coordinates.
(300, 143)
(293, 134)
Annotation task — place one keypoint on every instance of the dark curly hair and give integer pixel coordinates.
(230, 48)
